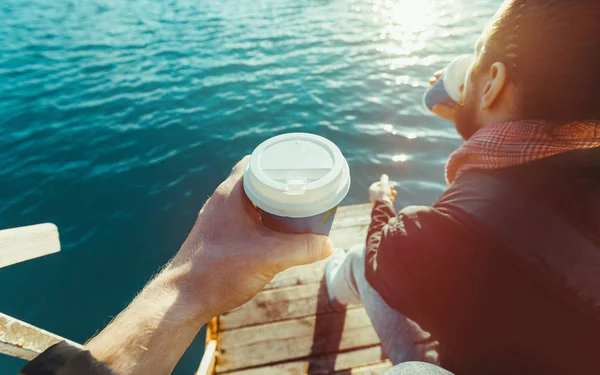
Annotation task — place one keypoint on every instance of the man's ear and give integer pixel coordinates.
(493, 86)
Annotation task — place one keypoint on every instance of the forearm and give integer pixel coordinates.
(153, 332)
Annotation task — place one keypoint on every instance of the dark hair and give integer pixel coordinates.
(551, 49)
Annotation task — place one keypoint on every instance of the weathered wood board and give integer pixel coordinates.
(23, 340)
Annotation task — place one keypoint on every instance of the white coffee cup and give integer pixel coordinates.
(297, 181)
(447, 90)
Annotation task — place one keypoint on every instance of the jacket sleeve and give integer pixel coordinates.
(419, 259)
(382, 212)
(66, 359)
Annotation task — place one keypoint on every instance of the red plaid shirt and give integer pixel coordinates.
(514, 143)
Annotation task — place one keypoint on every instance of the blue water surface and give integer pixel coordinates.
(118, 118)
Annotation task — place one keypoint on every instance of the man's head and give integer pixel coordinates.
(536, 60)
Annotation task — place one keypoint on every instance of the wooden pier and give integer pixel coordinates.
(290, 327)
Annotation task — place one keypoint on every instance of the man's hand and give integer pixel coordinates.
(441, 110)
(228, 257)
(382, 190)
(231, 256)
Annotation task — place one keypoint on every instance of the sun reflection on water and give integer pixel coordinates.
(412, 16)
(400, 158)
(407, 23)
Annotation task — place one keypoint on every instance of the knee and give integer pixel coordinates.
(356, 255)
(416, 368)
(357, 252)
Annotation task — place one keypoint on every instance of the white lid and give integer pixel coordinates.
(297, 175)
(456, 75)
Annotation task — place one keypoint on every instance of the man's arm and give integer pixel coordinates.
(382, 194)
(226, 260)
(424, 260)
(382, 212)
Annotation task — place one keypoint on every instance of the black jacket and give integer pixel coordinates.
(503, 269)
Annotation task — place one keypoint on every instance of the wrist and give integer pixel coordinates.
(198, 271)
(181, 286)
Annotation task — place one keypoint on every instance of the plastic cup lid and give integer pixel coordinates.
(297, 175)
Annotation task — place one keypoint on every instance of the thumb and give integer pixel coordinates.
(385, 179)
(299, 249)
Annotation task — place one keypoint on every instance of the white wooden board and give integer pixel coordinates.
(25, 243)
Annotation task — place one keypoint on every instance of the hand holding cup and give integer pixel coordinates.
(442, 110)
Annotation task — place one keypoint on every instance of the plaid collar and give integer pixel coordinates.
(514, 143)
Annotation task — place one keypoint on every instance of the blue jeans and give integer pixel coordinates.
(401, 338)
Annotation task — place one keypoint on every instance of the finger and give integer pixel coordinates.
(234, 183)
(299, 249)
(239, 168)
(439, 73)
(249, 207)
(385, 179)
(241, 201)
(394, 193)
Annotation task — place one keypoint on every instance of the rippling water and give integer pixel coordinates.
(119, 117)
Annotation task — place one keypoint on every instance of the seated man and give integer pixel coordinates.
(504, 268)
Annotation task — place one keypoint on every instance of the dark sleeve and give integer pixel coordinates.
(420, 263)
(382, 212)
(66, 359)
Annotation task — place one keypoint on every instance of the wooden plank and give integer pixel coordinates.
(278, 304)
(25, 243)
(347, 237)
(350, 225)
(274, 305)
(300, 327)
(327, 364)
(352, 213)
(289, 340)
(23, 340)
(207, 365)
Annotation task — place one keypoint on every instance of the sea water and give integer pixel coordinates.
(119, 118)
